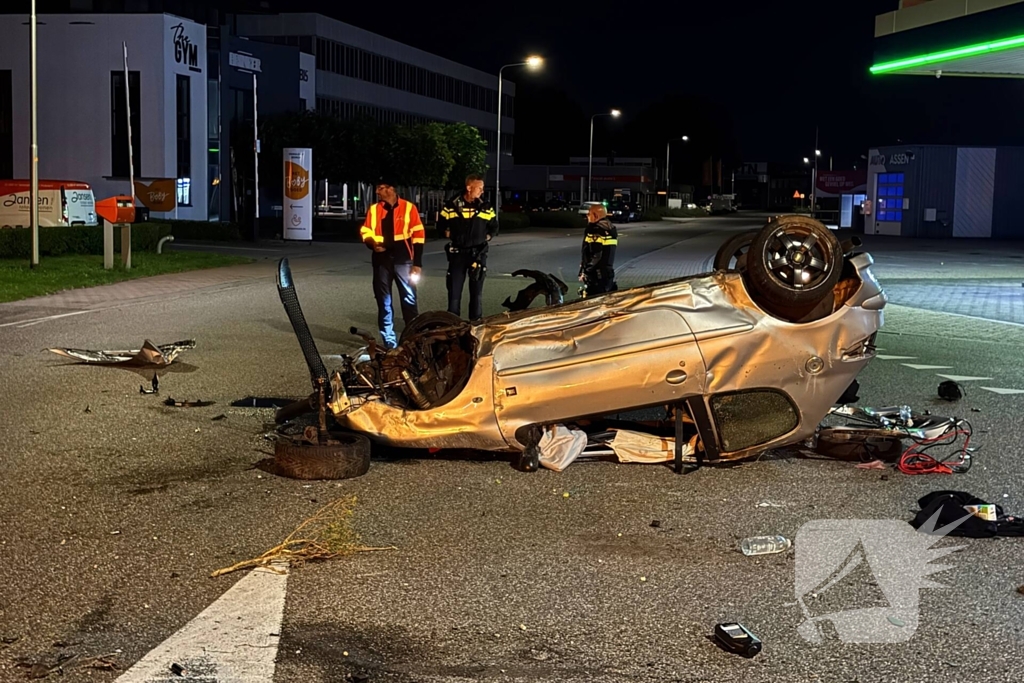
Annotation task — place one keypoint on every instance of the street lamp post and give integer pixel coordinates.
(668, 145)
(814, 175)
(34, 143)
(590, 167)
(533, 63)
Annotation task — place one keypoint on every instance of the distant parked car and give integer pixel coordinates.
(624, 212)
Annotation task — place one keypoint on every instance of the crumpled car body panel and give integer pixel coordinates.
(695, 338)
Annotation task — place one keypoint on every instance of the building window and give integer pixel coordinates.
(183, 117)
(119, 166)
(6, 127)
(890, 197)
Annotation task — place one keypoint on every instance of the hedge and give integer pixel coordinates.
(657, 213)
(59, 240)
(510, 222)
(558, 219)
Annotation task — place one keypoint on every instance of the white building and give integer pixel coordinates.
(82, 109)
(359, 72)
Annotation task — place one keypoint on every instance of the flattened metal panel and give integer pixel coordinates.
(975, 188)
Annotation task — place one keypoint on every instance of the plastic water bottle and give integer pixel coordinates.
(765, 545)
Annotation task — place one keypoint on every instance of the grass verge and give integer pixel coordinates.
(73, 271)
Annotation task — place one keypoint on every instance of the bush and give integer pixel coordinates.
(511, 222)
(570, 220)
(657, 213)
(78, 239)
(205, 231)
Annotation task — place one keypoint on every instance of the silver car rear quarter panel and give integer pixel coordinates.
(639, 347)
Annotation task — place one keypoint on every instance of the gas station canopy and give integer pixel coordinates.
(980, 38)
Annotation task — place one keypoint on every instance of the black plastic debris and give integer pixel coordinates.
(951, 391)
(175, 403)
(177, 669)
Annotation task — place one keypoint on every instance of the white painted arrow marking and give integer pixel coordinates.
(234, 640)
(896, 357)
(962, 378)
(928, 367)
(1003, 392)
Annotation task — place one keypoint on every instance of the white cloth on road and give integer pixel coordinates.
(639, 447)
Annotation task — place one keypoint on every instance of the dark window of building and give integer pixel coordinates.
(183, 117)
(119, 166)
(6, 127)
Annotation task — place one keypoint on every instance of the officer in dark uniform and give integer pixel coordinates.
(470, 223)
(597, 265)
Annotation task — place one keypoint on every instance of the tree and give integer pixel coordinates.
(419, 155)
(468, 150)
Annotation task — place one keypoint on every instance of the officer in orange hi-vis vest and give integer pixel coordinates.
(394, 231)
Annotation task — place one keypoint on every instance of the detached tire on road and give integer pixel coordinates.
(793, 264)
(728, 256)
(348, 457)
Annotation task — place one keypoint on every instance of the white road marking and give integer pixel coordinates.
(36, 321)
(1003, 392)
(234, 640)
(962, 378)
(896, 357)
(927, 367)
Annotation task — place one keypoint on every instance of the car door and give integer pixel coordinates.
(611, 364)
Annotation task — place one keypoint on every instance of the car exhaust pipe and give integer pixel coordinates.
(851, 244)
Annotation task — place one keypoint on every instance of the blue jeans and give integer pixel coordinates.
(385, 272)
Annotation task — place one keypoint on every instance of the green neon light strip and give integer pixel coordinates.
(946, 55)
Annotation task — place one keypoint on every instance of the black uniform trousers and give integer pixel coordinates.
(460, 269)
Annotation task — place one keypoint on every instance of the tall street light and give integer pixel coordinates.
(34, 143)
(814, 175)
(531, 63)
(590, 170)
(668, 146)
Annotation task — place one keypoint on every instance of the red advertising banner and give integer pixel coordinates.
(836, 183)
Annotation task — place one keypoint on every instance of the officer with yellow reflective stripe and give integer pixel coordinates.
(470, 223)
(597, 266)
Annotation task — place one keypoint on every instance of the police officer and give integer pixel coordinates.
(394, 231)
(470, 223)
(597, 265)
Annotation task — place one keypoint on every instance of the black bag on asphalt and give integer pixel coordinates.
(950, 391)
(950, 506)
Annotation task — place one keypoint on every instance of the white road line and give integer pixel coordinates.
(962, 378)
(36, 321)
(895, 357)
(234, 640)
(1004, 392)
(927, 367)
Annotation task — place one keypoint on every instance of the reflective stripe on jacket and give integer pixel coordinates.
(408, 225)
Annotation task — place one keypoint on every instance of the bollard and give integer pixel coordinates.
(108, 245)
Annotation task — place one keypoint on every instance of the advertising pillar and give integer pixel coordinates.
(298, 195)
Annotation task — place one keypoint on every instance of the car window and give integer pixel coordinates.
(750, 418)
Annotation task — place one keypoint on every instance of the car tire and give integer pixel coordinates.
(430, 320)
(348, 457)
(733, 248)
(782, 254)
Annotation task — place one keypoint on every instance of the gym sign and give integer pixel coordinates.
(186, 52)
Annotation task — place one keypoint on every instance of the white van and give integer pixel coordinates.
(61, 202)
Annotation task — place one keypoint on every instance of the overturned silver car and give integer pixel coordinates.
(749, 357)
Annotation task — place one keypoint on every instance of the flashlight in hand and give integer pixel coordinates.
(414, 278)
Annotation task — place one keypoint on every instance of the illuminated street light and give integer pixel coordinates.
(590, 170)
(806, 160)
(668, 145)
(533, 63)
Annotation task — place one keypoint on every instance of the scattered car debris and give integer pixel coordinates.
(951, 391)
(656, 524)
(261, 402)
(217, 418)
(873, 465)
(177, 669)
(1020, 589)
(737, 638)
(150, 355)
(768, 504)
(560, 446)
(155, 385)
(87, 410)
(175, 403)
(551, 287)
(956, 513)
(9, 640)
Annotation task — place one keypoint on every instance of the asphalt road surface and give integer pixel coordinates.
(115, 508)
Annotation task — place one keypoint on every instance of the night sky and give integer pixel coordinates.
(745, 80)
